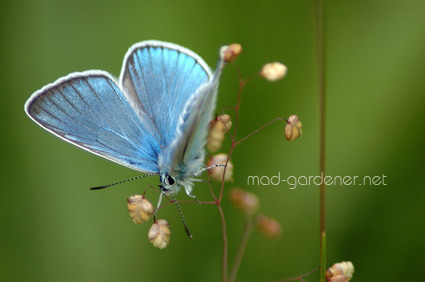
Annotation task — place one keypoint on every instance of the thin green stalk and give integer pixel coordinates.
(321, 65)
(225, 247)
(241, 250)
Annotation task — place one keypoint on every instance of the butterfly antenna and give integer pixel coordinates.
(181, 215)
(207, 168)
(131, 179)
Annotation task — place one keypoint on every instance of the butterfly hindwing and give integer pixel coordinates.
(187, 150)
(193, 126)
(89, 110)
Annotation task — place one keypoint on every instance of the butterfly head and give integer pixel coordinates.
(168, 183)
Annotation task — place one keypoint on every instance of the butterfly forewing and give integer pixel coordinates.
(90, 111)
(158, 79)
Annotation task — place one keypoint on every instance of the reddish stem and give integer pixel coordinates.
(258, 130)
(227, 130)
(211, 190)
(299, 277)
(224, 172)
(192, 202)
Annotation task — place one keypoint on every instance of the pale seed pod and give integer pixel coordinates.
(218, 128)
(293, 128)
(340, 272)
(338, 278)
(245, 201)
(274, 71)
(159, 234)
(268, 226)
(231, 52)
(139, 209)
(217, 172)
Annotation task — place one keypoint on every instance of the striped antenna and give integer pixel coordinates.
(131, 179)
(207, 168)
(181, 214)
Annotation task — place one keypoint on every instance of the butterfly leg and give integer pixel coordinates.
(194, 197)
(188, 191)
(159, 204)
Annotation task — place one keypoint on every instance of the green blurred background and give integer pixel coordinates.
(54, 229)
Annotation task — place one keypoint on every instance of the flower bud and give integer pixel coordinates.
(159, 234)
(218, 129)
(340, 272)
(293, 128)
(217, 172)
(231, 52)
(274, 71)
(244, 201)
(268, 226)
(139, 208)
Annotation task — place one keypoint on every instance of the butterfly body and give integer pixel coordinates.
(153, 120)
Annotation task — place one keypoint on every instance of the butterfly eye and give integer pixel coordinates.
(169, 180)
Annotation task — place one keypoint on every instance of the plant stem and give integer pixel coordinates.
(218, 200)
(211, 190)
(299, 277)
(242, 84)
(225, 250)
(241, 250)
(321, 65)
(224, 172)
(191, 202)
(258, 130)
(235, 131)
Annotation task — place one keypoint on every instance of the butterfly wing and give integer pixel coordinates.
(187, 150)
(193, 126)
(90, 111)
(158, 79)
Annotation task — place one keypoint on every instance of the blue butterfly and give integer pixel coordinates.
(154, 119)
